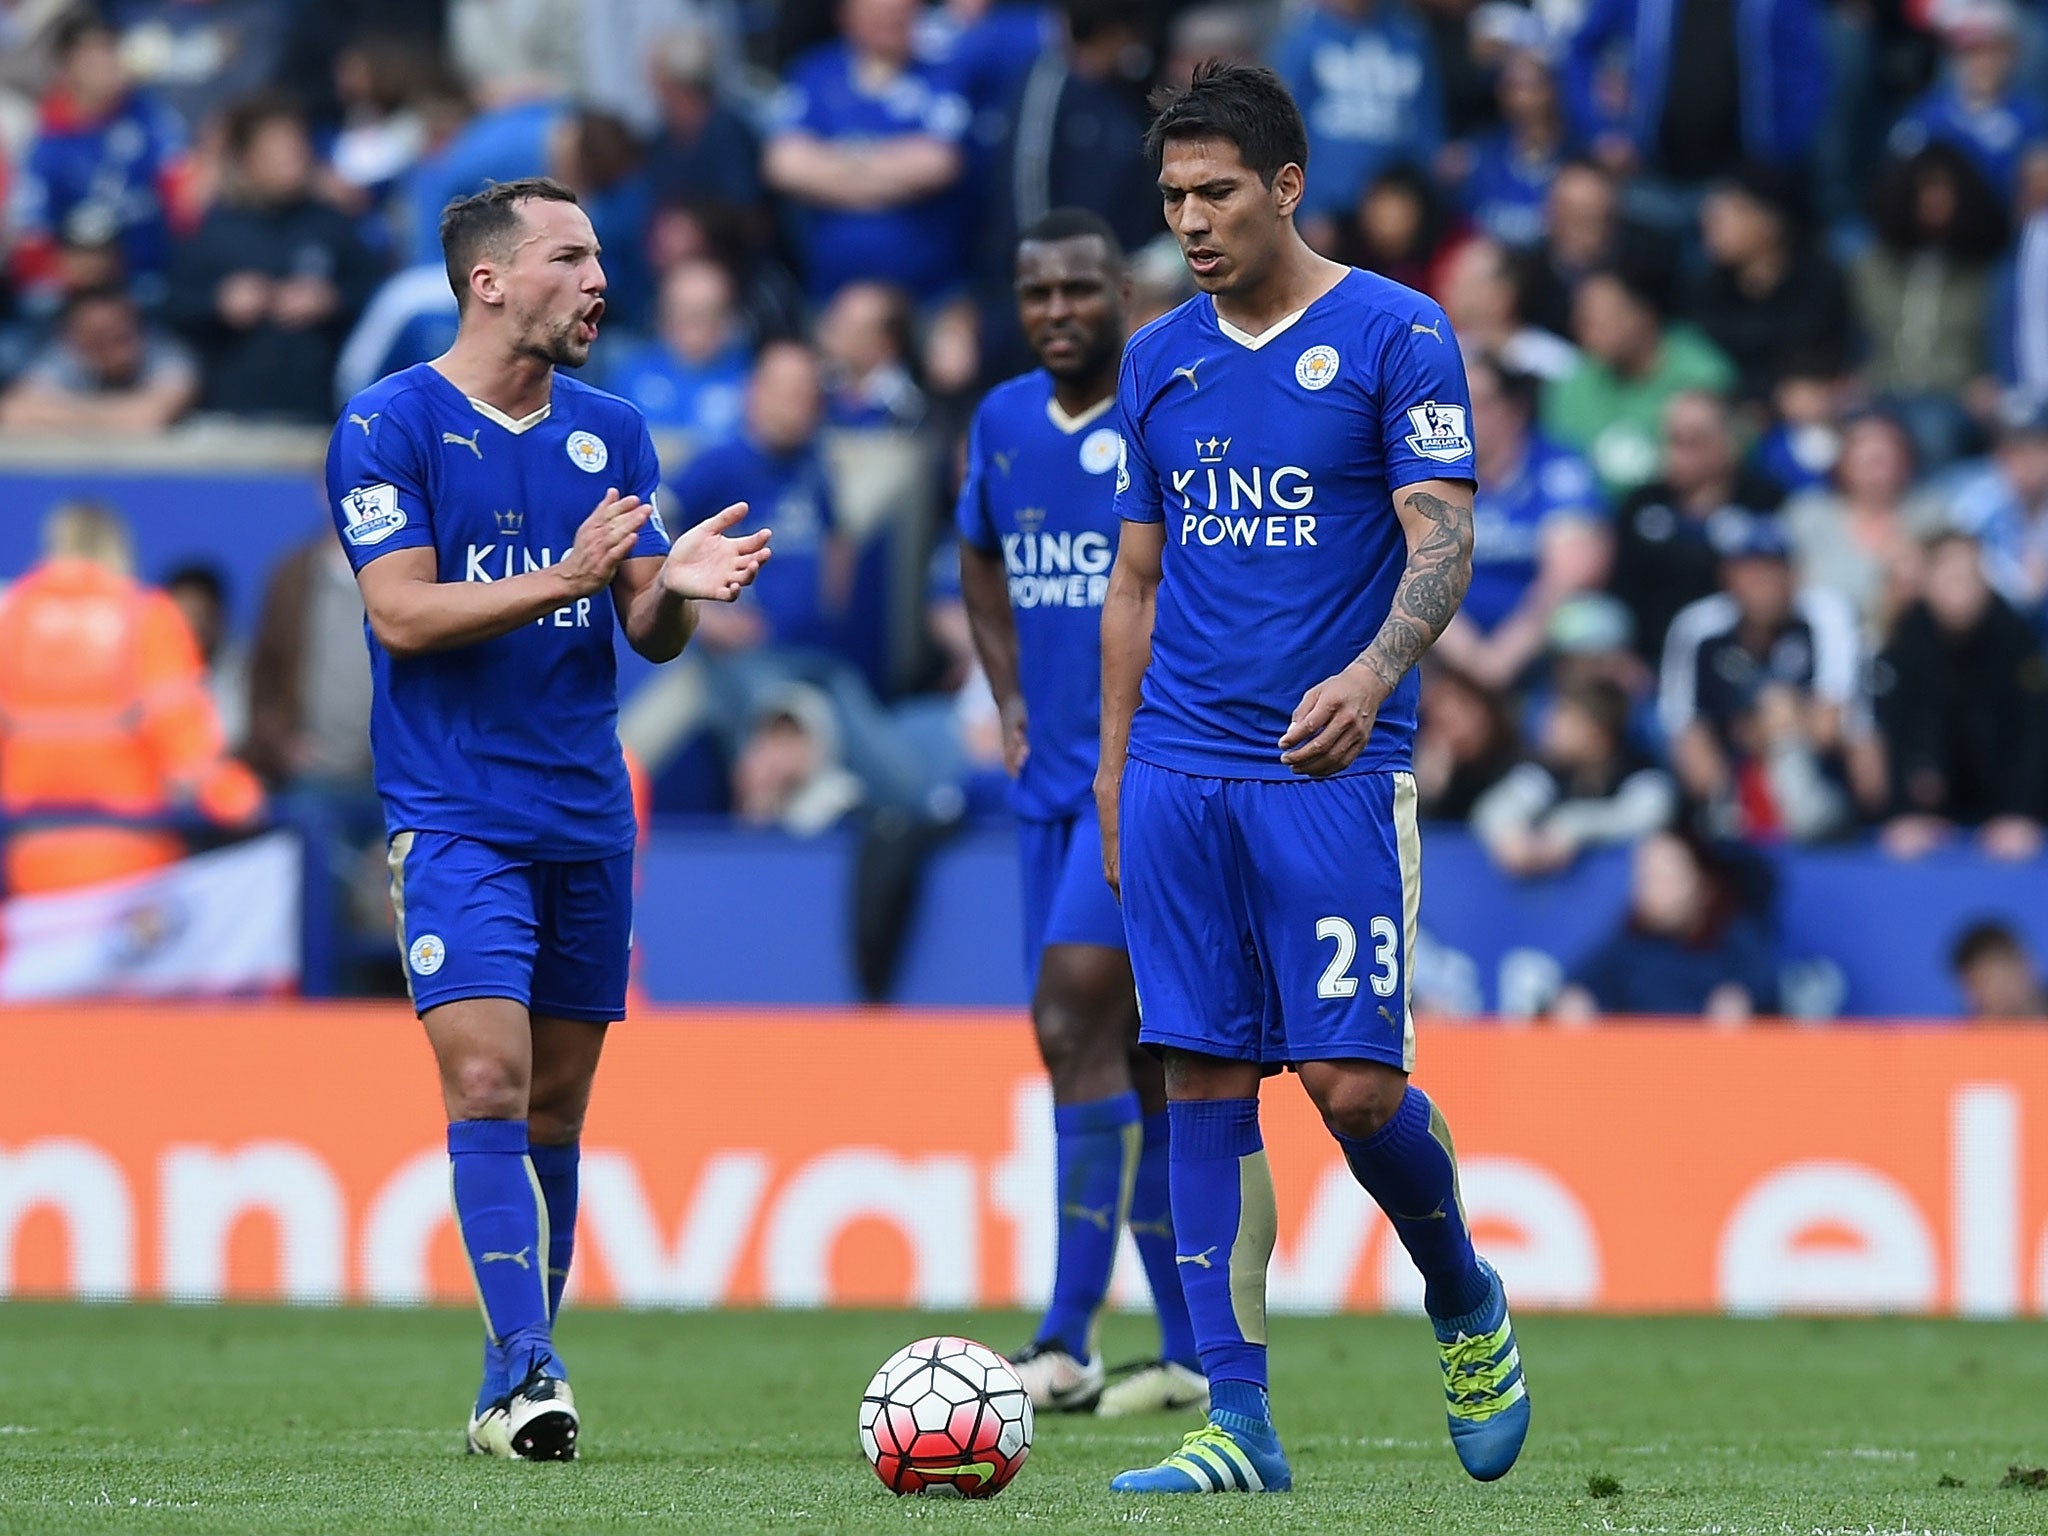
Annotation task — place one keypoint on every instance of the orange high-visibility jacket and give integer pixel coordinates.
(104, 711)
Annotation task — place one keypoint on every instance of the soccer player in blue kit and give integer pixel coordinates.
(501, 521)
(1037, 535)
(1297, 493)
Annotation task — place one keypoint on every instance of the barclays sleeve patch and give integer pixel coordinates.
(1439, 432)
(371, 514)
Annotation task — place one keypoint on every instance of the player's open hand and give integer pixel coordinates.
(709, 563)
(1332, 723)
(606, 538)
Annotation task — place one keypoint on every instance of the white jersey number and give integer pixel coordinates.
(1337, 980)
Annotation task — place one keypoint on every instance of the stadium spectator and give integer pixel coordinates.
(1160, 281)
(1540, 532)
(1397, 229)
(196, 56)
(692, 377)
(509, 51)
(596, 155)
(1221, 29)
(1997, 974)
(28, 60)
(705, 155)
(1669, 534)
(1975, 105)
(1687, 91)
(869, 142)
(1862, 533)
(1761, 696)
(1611, 406)
(201, 593)
(2004, 505)
(1768, 293)
(105, 372)
(1482, 291)
(269, 286)
(1365, 75)
(1691, 946)
(865, 341)
(788, 625)
(309, 675)
(469, 147)
(382, 86)
(1504, 176)
(1586, 787)
(1465, 743)
(1072, 138)
(1581, 231)
(1801, 444)
(1924, 289)
(106, 728)
(788, 774)
(103, 168)
(1964, 708)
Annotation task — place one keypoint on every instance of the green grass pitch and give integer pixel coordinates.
(273, 1421)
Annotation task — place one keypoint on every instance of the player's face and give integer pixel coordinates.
(1070, 305)
(553, 284)
(1229, 223)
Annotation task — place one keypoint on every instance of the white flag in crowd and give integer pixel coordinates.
(224, 922)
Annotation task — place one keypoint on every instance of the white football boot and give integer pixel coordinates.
(1058, 1381)
(1153, 1386)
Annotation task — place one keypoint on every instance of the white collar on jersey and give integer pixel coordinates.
(1246, 339)
(1072, 424)
(515, 426)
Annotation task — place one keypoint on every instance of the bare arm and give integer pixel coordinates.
(660, 596)
(985, 592)
(804, 166)
(1335, 718)
(33, 405)
(413, 613)
(1127, 612)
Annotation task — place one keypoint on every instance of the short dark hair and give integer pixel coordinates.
(1075, 224)
(252, 114)
(482, 222)
(1244, 104)
(1982, 940)
(99, 293)
(76, 28)
(1522, 390)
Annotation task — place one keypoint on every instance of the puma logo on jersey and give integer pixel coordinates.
(1160, 1228)
(1096, 1217)
(1199, 1260)
(1432, 329)
(364, 421)
(468, 442)
(520, 1258)
(1188, 373)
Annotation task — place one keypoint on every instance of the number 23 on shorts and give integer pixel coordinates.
(1337, 980)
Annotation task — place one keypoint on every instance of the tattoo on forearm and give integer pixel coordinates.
(1433, 585)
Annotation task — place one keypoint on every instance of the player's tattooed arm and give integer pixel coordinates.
(1334, 719)
(1437, 518)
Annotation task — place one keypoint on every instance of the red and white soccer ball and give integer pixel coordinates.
(946, 1416)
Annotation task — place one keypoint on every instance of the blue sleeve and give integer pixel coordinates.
(1425, 409)
(1137, 482)
(797, 107)
(1802, 79)
(375, 491)
(1606, 22)
(644, 481)
(1291, 56)
(970, 515)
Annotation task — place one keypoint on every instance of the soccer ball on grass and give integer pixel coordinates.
(946, 1416)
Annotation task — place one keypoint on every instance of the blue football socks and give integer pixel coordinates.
(1409, 1168)
(1097, 1149)
(1224, 1224)
(555, 1167)
(1151, 1226)
(502, 1218)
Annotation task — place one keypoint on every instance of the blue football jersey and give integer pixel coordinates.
(1040, 493)
(514, 741)
(1273, 462)
(1552, 484)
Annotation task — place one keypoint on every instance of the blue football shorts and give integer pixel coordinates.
(1066, 900)
(477, 921)
(1272, 921)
